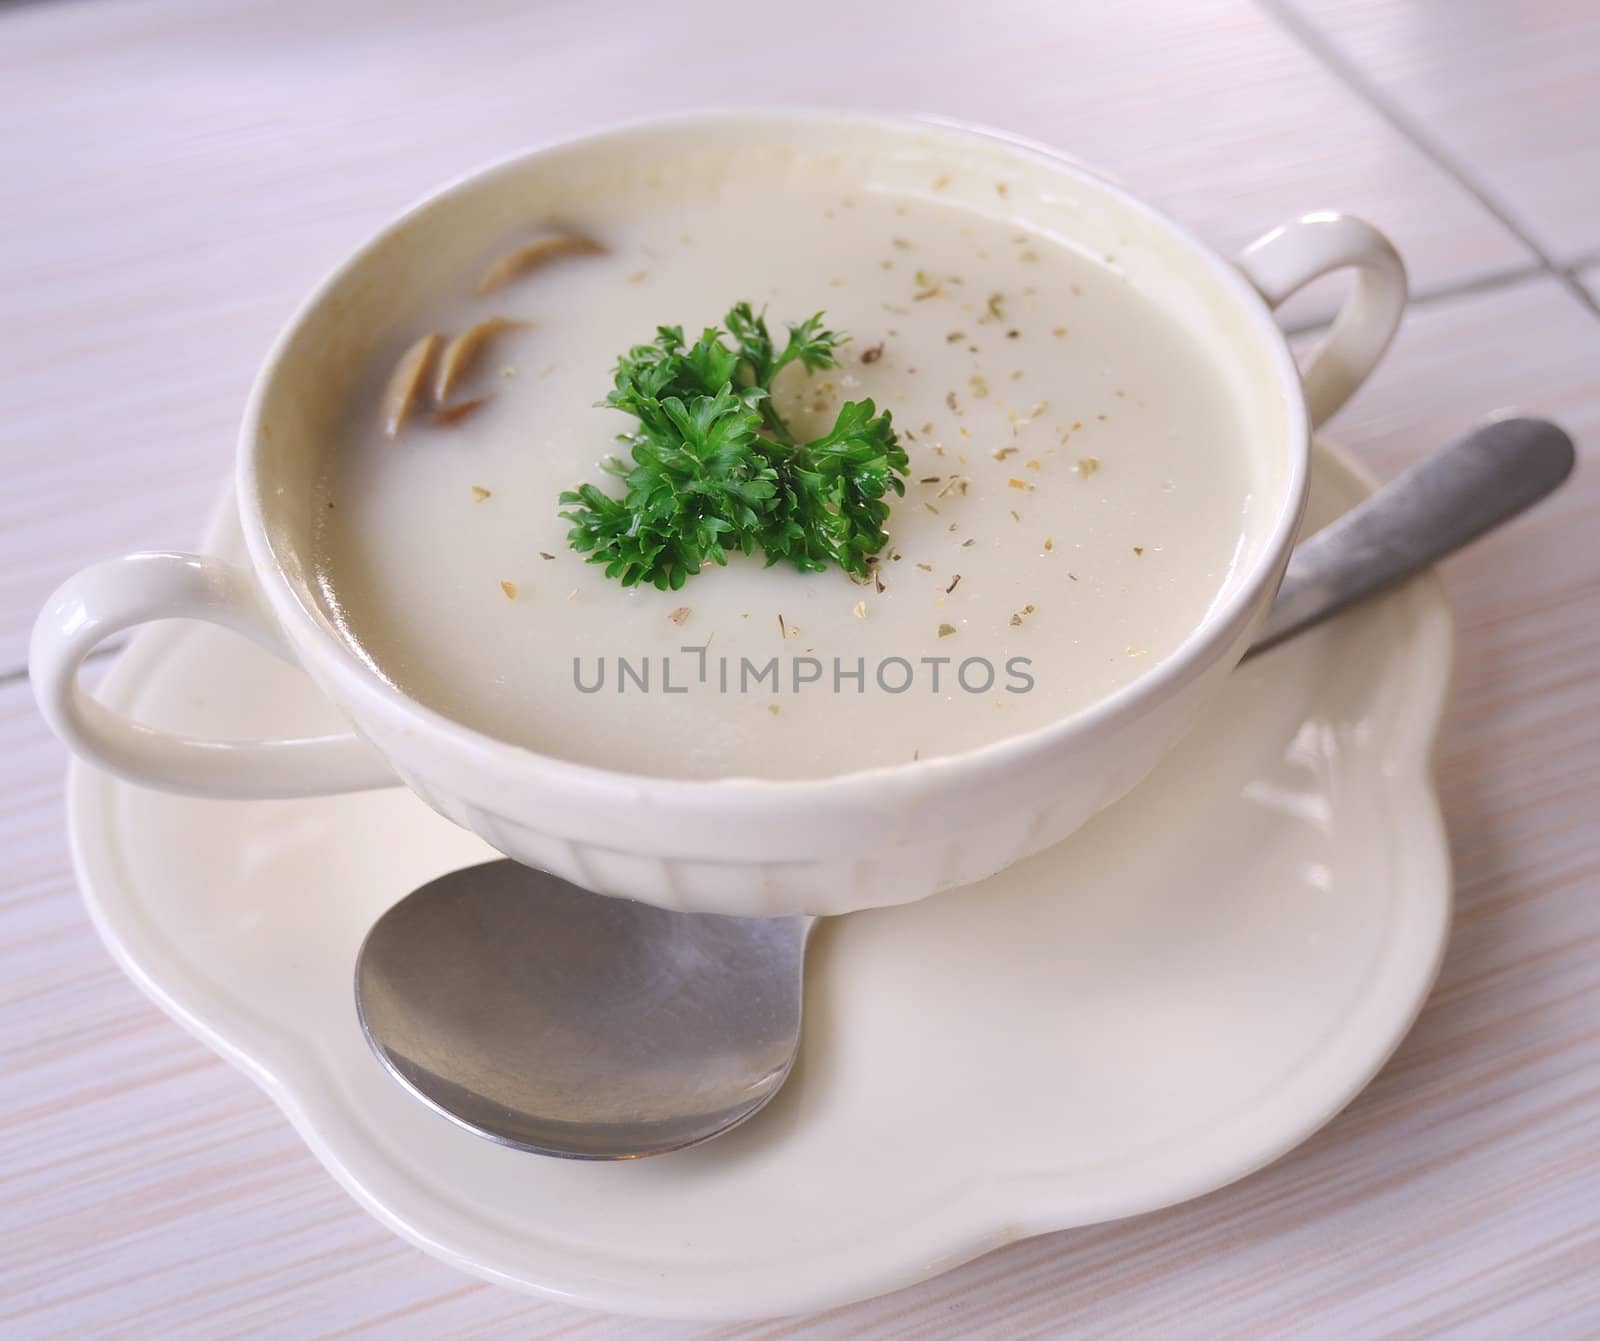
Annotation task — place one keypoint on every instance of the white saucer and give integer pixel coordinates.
(1181, 993)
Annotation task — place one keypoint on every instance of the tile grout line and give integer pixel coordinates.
(1491, 282)
(1574, 270)
(1303, 31)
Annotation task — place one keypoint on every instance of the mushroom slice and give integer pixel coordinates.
(406, 383)
(446, 415)
(462, 352)
(515, 264)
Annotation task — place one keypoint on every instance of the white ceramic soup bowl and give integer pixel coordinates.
(735, 845)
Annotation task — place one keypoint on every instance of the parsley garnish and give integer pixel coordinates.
(714, 468)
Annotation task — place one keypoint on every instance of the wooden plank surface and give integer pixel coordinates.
(1510, 92)
(190, 175)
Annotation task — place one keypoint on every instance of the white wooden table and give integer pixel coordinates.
(173, 176)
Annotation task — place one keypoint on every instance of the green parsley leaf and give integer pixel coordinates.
(715, 469)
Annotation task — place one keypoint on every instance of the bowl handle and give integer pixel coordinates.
(1291, 256)
(117, 594)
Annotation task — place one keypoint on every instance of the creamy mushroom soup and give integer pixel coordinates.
(1076, 496)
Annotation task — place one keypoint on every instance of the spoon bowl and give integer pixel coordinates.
(550, 1019)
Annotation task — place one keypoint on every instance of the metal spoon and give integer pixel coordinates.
(1441, 504)
(550, 1019)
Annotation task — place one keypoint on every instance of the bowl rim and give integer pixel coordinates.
(1222, 626)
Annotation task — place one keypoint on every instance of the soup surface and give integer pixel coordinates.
(1076, 497)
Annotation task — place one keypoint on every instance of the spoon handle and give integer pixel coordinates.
(1439, 505)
